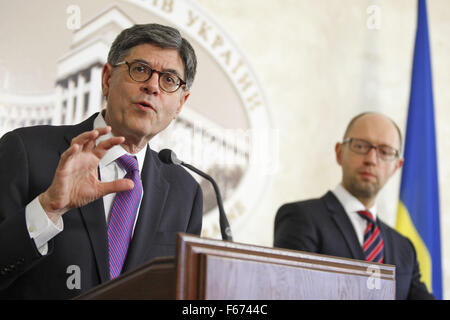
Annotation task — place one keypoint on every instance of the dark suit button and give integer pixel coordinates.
(2, 272)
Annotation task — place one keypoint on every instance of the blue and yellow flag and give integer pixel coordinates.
(418, 211)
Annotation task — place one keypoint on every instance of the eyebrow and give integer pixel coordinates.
(377, 145)
(173, 71)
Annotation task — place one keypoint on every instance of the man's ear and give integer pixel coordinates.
(106, 77)
(183, 98)
(338, 150)
(399, 164)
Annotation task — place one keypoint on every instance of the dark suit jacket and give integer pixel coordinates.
(322, 226)
(172, 203)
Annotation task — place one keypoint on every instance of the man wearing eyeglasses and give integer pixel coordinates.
(82, 204)
(344, 222)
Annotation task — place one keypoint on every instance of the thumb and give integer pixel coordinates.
(116, 186)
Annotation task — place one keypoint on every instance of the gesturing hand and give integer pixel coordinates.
(76, 183)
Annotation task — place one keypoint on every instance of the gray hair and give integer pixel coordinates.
(161, 36)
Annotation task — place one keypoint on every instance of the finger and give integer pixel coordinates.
(85, 137)
(73, 149)
(104, 130)
(92, 135)
(116, 186)
(105, 145)
(89, 145)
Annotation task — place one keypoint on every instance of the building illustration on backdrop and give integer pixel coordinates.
(77, 95)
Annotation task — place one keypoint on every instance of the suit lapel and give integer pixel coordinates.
(344, 225)
(389, 257)
(156, 189)
(92, 214)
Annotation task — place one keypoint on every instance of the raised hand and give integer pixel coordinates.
(76, 183)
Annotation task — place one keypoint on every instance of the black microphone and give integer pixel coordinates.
(169, 157)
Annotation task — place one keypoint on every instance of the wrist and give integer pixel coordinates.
(52, 211)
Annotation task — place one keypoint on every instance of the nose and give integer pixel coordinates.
(371, 157)
(151, 86)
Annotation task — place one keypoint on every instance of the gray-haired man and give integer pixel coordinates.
(93, 198)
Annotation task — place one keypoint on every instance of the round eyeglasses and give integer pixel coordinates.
(361, 146)
(141, 72)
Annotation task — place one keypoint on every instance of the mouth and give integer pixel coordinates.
(367, 175)
(144, 105)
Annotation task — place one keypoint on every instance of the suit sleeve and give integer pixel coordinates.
(195, 221)
(417, 289)
(18, 251)
(294, 229)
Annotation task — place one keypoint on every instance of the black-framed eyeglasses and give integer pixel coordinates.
(363, 147)
(141, 72)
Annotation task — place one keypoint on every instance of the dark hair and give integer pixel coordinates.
(352, 122)
(164, 37)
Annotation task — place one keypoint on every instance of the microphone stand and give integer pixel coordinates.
(224, 225)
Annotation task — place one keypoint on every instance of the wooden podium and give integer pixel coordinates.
(220, 270)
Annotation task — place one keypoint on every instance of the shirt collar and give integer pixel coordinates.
(350, 203)
(116, 151)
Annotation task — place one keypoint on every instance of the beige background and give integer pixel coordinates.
(319, 63)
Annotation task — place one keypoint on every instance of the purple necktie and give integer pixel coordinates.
(373, 246)
(122, 216)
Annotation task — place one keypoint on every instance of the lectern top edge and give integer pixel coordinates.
(280, 252)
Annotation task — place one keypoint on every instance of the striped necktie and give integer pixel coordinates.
(373, 246)
(122, 216)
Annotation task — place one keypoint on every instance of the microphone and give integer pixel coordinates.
(169, 157)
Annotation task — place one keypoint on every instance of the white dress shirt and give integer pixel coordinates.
(351, 206)
(42, 229)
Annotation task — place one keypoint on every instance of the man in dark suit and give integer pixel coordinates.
(62, 186)
(344, 222)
